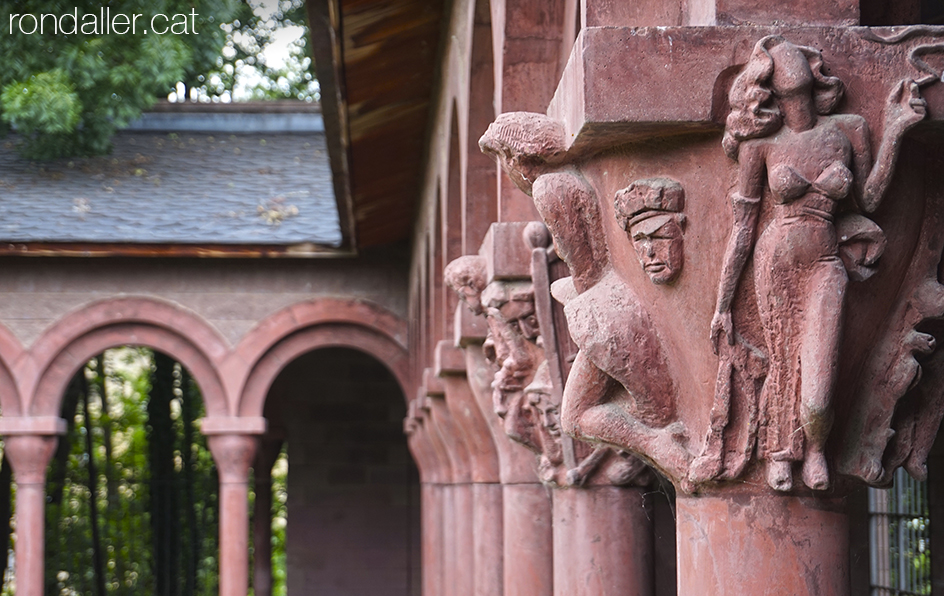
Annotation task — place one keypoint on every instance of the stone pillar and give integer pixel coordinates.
(603, 542)
(497, 284)
(459, 548)
(434, 467)
(761, 335)
(269, 449)
(30, 444)
(734, 545)
(233, 443)
(479, 501)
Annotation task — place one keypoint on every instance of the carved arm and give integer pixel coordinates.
(746, 204)
(904, 110)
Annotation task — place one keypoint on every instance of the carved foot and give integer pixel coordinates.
(704, 468)
(780, 475)
(815, 471)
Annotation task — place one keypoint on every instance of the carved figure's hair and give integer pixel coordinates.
(498, 294)
(754, 112)
(648, 198)
(468, 271)
(525, 135)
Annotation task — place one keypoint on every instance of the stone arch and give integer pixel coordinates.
(11, 356)
(321, 323)
(137, 321)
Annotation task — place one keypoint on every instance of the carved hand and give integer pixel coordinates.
(721, 322)
(905, 108)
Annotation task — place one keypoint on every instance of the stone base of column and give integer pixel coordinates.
(487, 533)
(528, 544)
(762, 545)
(602, 542)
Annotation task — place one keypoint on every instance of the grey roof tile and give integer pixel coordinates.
(179, 188)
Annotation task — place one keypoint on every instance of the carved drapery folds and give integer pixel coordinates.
(777, 345)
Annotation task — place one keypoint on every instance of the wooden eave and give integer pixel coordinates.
(376, 63)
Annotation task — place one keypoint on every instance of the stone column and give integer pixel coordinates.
(435, 472)
(30, 444)
(457, 493)
(753, 305)
(732, 545)
(484, 509)
(233, 443)
(269, 449)
(497, 284)
(603, 542)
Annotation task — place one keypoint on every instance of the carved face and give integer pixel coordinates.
(520, 421)
(511, 335)
(792, 72)
(547, 411)
(512, 339)
(658, 244)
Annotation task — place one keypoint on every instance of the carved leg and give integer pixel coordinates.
(586, 415)
(586, 387)
(780, 475)
(818, 366)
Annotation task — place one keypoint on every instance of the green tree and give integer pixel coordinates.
(66, 94)
(132, 498)
(242, 72)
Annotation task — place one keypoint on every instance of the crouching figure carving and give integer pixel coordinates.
(619, 391)
(531, 364)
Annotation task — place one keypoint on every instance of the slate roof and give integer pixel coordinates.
(175, 188)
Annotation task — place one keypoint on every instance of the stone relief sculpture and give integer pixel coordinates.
(787, 141)
(619, 391)
(565, 462)
(805, 181)
(524, 395)
(650, 212)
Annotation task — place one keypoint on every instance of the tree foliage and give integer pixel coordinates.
(68, 93)
(242, 71)
(132, 496)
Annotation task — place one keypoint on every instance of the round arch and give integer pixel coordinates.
(11, 356)
(146, 322)
(323, 323)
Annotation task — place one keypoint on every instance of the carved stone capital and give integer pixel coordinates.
(233, 454)
(30, 455)
(797, 347)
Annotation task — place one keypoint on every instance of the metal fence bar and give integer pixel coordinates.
(899, 538)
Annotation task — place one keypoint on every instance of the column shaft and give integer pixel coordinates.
(234, 454)
(764, 544)
(602, 542)
(528, 562)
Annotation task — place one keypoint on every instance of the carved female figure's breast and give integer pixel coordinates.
(814, 161)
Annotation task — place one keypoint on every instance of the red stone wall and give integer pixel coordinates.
(232, 294)
(353, 490)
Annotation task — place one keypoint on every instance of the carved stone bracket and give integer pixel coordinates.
(788, 349)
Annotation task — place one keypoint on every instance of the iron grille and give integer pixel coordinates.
(899, 523)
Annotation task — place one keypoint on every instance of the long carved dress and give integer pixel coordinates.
(800, 284)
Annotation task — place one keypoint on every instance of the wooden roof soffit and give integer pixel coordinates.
(376, 63)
